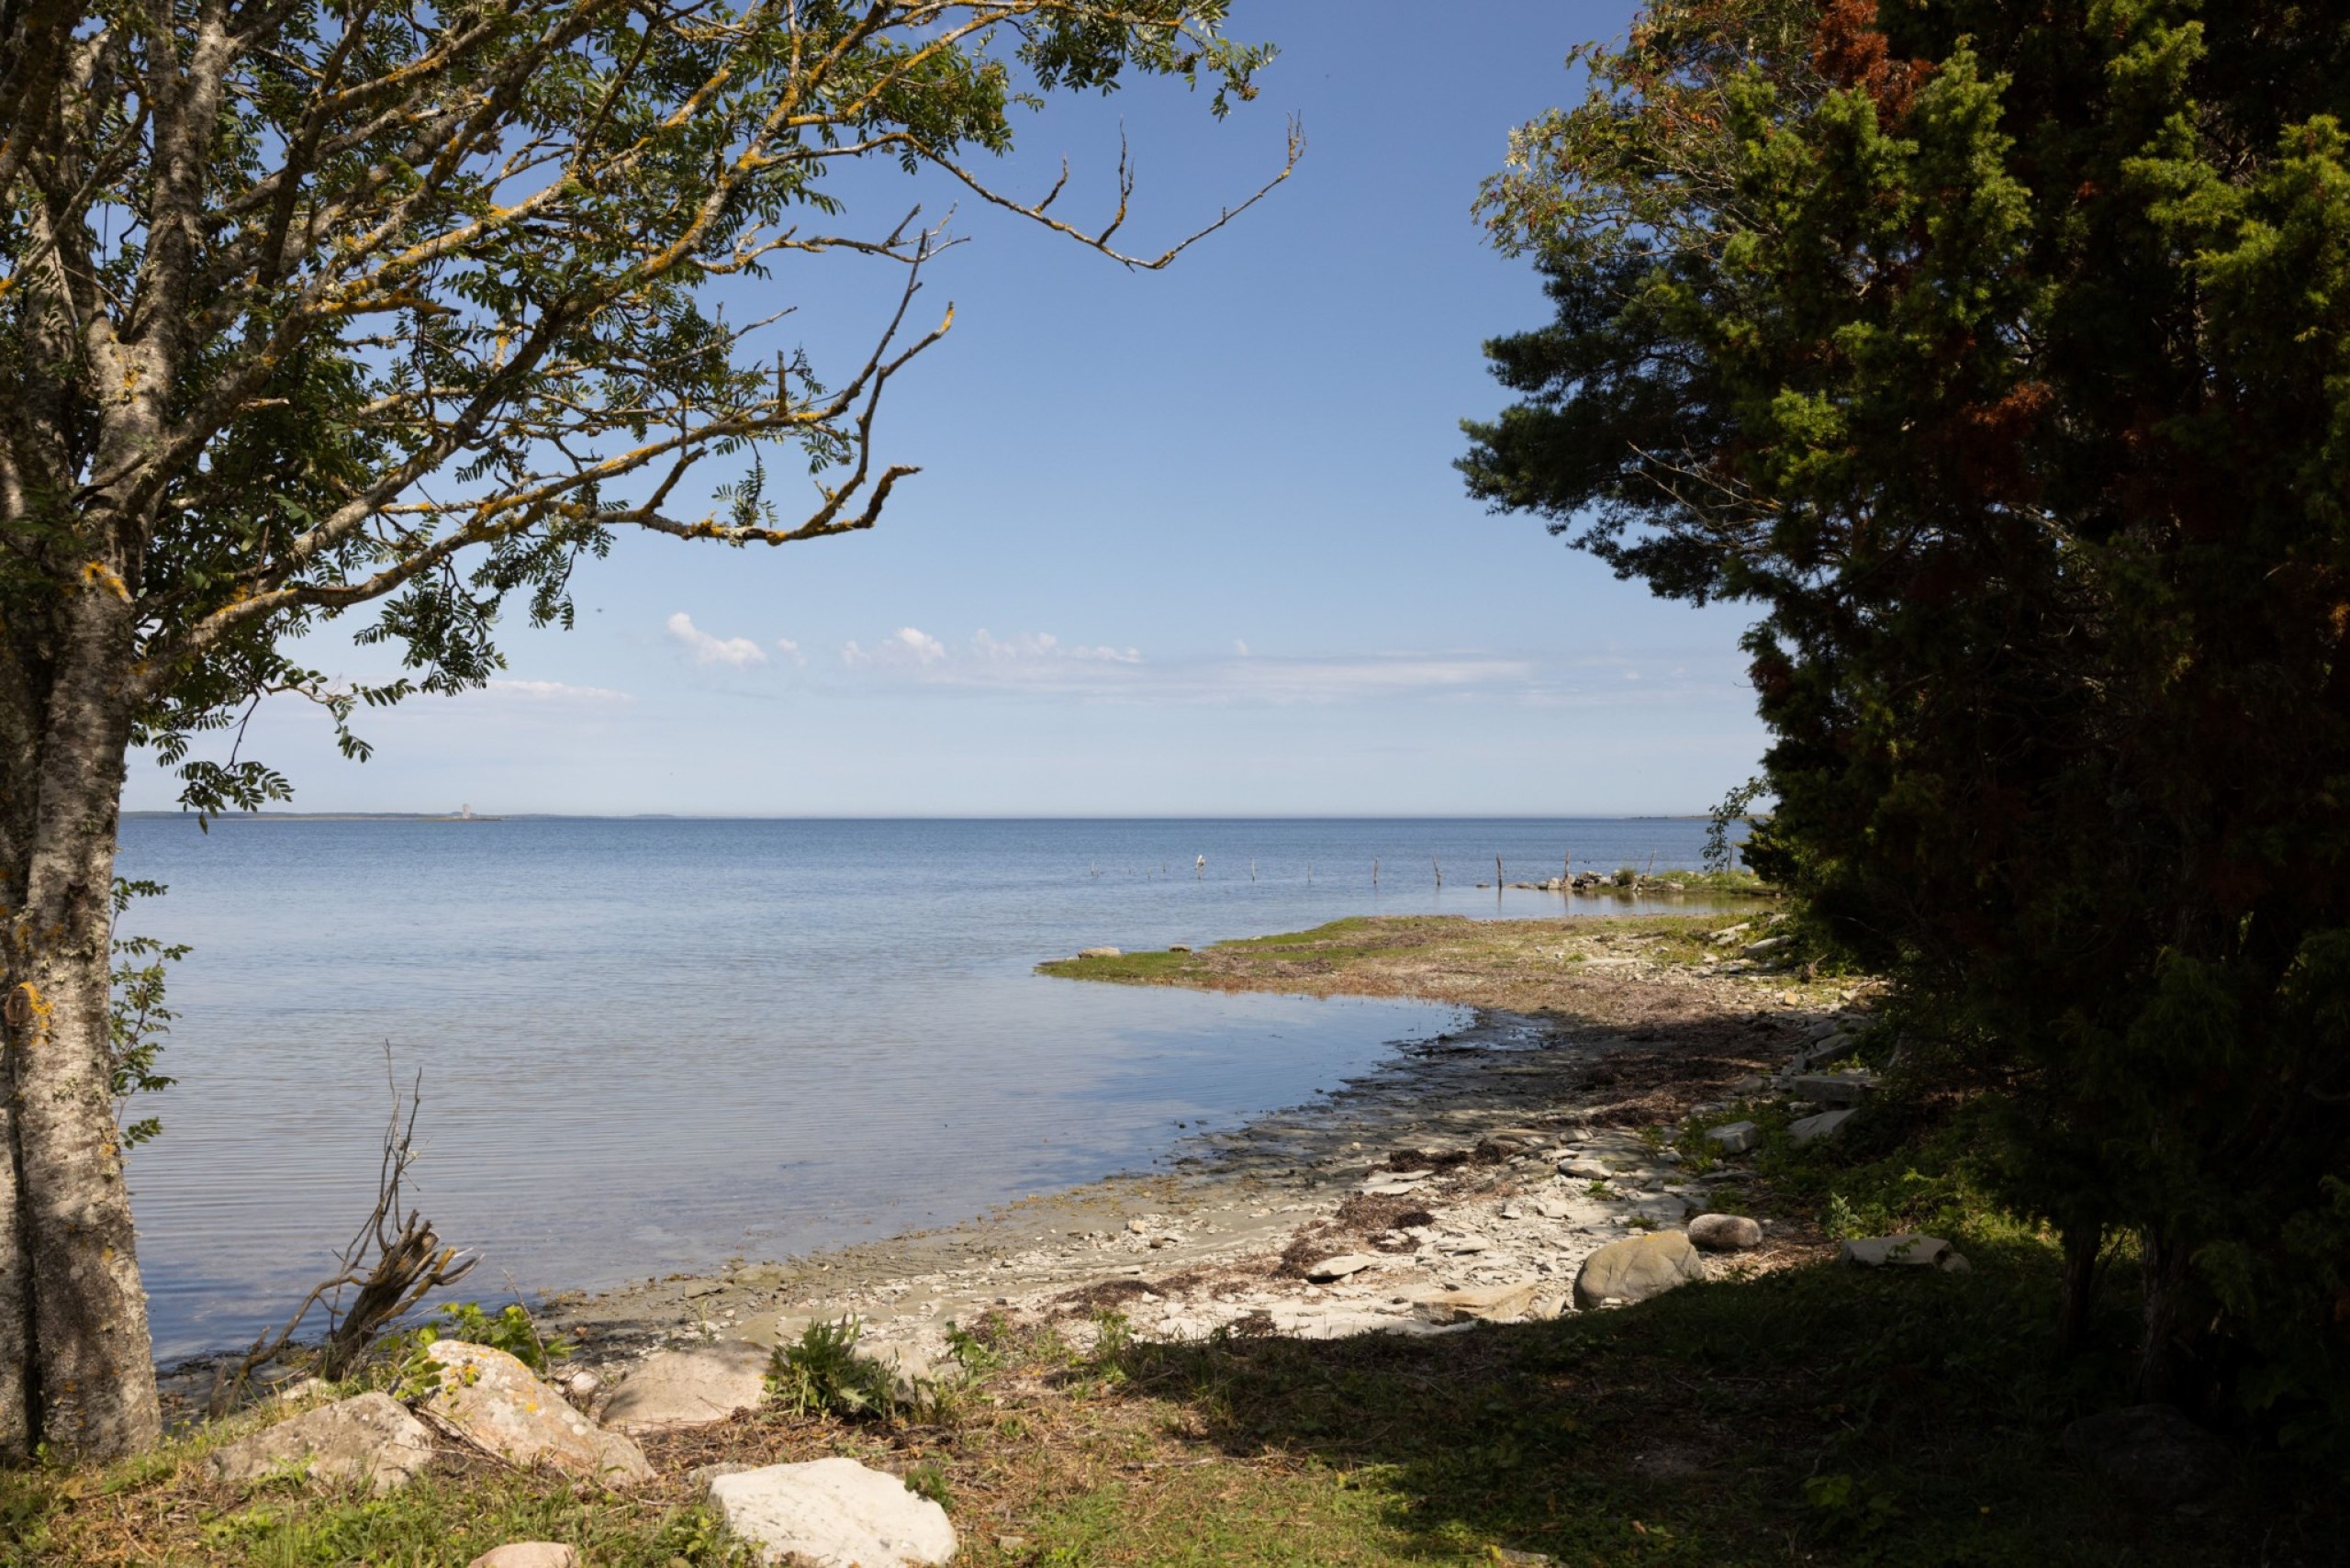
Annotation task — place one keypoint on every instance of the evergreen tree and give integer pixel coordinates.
(2001, 354)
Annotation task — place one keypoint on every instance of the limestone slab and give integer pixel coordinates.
(833, 1513)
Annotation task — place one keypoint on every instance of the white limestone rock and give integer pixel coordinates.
(833, 1513)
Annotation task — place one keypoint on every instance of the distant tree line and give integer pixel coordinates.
(1999, 354)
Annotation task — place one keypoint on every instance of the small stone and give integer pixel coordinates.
(1178, 947)
(1764, 948)
(371, 1439)
(1338, 1268)
(834, 1513)
(1821, 1126)
(1585, 1169)
(583, 1384)
(693, 1387)
(1138, 1227)
(1099, 953)
(1882, 1251)
(2151, 1450)
(1725, 1233)
(527, 1555)
(1638, 1268)
(1735, 1138)
(1460, 1246)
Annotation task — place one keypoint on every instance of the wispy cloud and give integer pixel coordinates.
(738, 653)
(1040, 664)
(1035, 647)
(554, 692)
(790, 650)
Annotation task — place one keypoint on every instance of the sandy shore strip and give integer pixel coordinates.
(1467, 1176)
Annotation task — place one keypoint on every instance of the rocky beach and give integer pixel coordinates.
(1472, 1176)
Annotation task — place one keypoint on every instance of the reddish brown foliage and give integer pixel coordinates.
(1849, 50)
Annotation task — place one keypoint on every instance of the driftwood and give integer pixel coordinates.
(393, 1262)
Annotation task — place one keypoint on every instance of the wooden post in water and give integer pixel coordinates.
(1252, 871)
(1440, 873)
(1374, 871)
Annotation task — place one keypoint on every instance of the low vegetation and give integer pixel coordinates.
(1526, 966)
(1813, 1415)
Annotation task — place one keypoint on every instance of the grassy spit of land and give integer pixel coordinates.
(1124, 1394)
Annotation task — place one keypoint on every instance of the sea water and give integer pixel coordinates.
(649, 1045)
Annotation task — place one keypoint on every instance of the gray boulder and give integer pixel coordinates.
(1821, 1126)
(1338, 1268)
(1099, 953)
(1637, 1268)
(690, 1387)
(2152, 1451)
(371, 1440)
(1735, 1138)
(1725, 1233)
(499, 1404)
(833, 1513)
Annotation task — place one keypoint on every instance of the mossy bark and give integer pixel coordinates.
(76, 1368)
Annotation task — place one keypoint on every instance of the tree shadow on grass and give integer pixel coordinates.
(1815, 1415)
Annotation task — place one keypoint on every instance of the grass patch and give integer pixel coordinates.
(1531, 966)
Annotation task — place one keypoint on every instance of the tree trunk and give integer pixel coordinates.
(2164, 1359)
(88, 1386)
(2077, 1308)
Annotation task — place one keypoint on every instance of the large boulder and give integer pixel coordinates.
(370, 1439)
(496, 1402)
(2150, 1450)
(833, 1513)
(1637, 1268)
(692, 1387)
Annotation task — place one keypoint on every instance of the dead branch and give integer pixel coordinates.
(393, 1262)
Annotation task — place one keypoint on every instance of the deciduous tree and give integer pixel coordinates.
(320, 307)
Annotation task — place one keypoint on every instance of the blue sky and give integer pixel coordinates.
(1183, 542)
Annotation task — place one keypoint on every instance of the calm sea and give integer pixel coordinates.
(649, 1045)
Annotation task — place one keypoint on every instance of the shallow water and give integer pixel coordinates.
(649, 1045)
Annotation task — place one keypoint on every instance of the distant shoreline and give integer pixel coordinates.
(691, 817)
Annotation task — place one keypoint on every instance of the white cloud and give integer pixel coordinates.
(555, 691)
(790, 650)
(739, 652)
(907, 647)
(1241, 647)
